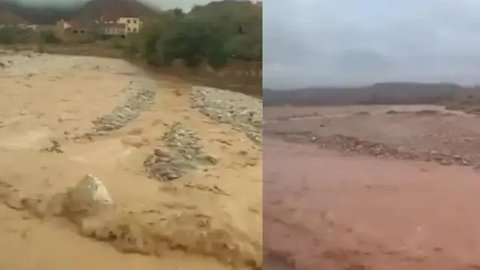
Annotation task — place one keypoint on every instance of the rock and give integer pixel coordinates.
(243, 112)
(209, 159)
(457, 158)
(139, 96)
(55, 147)
(159, 152)
(180, 153)
(88, 197)
(466, 162)
(446, 162)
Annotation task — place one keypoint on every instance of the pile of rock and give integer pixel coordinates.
(180, 153)
(55, 147)
(139, 97)
(243, 112)
(348, 144)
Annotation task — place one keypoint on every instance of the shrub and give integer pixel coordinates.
(49, 37)
(215, 33)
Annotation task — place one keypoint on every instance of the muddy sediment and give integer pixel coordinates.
(361, 187)
(149, 232)
(335, 211)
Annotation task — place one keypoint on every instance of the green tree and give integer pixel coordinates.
(49, 37)
(215, 33)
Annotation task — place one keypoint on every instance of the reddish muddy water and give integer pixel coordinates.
(324, 210)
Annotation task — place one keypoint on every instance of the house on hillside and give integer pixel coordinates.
(25, 26)
(62, 25)
(22, 26)
(132, 24)
(73, 31)
(113, 29)
(80, 30)
(121, 26)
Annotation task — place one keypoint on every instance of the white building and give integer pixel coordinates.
(132, 24)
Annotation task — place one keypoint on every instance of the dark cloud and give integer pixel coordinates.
(350, 42)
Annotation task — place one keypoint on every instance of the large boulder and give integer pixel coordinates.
(88, 198)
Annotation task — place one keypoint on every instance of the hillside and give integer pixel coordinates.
(112, 9)
(15, 13)
(229, 10)
(381, 93)
(44, 15)
(8, 14)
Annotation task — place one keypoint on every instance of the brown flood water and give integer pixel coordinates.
(324, 210)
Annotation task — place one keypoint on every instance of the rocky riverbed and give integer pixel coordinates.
(243, 112)
(353, 145)
(415, 133)
(179, 153)
(140, 94)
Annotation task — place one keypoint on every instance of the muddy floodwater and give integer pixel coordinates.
(181, 181)
(328, 209)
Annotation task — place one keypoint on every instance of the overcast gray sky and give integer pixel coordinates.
(352, 42)
(164, 4)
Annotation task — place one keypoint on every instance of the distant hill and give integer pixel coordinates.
(45, 15)
(229, 10)
(381, 93)
(15, 13)
(111, 9)
(8, 14)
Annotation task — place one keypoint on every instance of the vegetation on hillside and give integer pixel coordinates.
(216, 32)
(13, 35)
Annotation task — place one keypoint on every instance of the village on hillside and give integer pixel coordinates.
(113, 27)
(221, 35)
(118, 24)
(97, 18)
